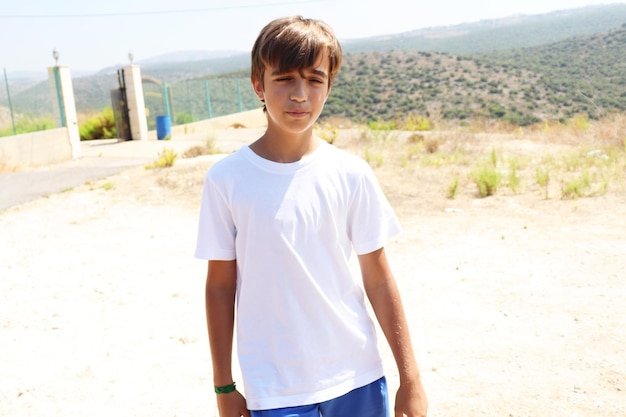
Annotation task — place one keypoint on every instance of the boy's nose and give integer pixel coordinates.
(299, 91)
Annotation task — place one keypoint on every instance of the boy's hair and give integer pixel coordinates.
(295, 43)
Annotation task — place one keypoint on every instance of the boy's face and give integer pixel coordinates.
(294, 99)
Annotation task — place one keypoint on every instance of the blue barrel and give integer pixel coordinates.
(163, 127)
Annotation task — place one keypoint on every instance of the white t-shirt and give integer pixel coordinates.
(303, 333)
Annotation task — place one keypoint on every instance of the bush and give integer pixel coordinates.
(328, 133)
(542, 177)
(100, 126)
(487, 179)
(381, 125)
(415, 123)
(496, 111)
(520, 119)
(167, 158)
(514, 179)
(576, 187)
(453, 188)
(417, 138)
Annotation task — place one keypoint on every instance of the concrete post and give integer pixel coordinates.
(136, 104)
(60, 80)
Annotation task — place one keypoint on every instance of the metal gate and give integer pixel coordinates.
(119, 103)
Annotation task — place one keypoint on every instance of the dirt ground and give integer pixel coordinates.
(517, 303)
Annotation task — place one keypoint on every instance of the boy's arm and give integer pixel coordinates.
(221, 285)
(382, 292)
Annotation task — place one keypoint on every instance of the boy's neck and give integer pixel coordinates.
(282, 147)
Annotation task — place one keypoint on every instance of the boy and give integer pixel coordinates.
(278, 221)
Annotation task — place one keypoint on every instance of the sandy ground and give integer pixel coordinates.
(516, 303)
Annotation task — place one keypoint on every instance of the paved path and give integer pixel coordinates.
(102, 158)
(21, 187)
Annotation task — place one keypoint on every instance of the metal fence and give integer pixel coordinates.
(192, 100)
(26, 103)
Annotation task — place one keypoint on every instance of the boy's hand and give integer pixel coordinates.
(232, 405)
(411, 401)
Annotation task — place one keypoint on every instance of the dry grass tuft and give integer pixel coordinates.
(209, 148)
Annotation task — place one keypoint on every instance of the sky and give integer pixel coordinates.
(91, 35)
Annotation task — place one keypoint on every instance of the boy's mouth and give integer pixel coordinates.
(297, 113)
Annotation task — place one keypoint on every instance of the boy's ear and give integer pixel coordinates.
(258, 88)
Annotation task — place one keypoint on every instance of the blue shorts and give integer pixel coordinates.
(368, 401)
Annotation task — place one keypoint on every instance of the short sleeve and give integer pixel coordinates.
(216, 229)
(372, 220)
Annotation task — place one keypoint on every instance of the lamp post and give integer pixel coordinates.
(57, 82)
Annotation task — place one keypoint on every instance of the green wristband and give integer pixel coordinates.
(225, 389)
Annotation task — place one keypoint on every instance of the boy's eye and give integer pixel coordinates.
(287, 78)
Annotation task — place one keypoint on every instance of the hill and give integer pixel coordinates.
(578, 76)
(540, 75)
(498, 34)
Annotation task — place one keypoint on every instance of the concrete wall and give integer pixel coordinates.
(53, 146)
(35, 149)
(247, 119)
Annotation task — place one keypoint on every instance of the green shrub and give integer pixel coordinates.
(487, 179)
(100, 126)
(167, 158)
(513, 177)
(328, 133)
(108, 186)
(494, 158)
(520, 119)
(453, 188)
(542, 177)
(576, 187)
(381, 125)
(496, 110)
(415, 123)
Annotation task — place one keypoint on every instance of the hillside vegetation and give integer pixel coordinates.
(388, 85)
(577, 76)
(580, 75)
